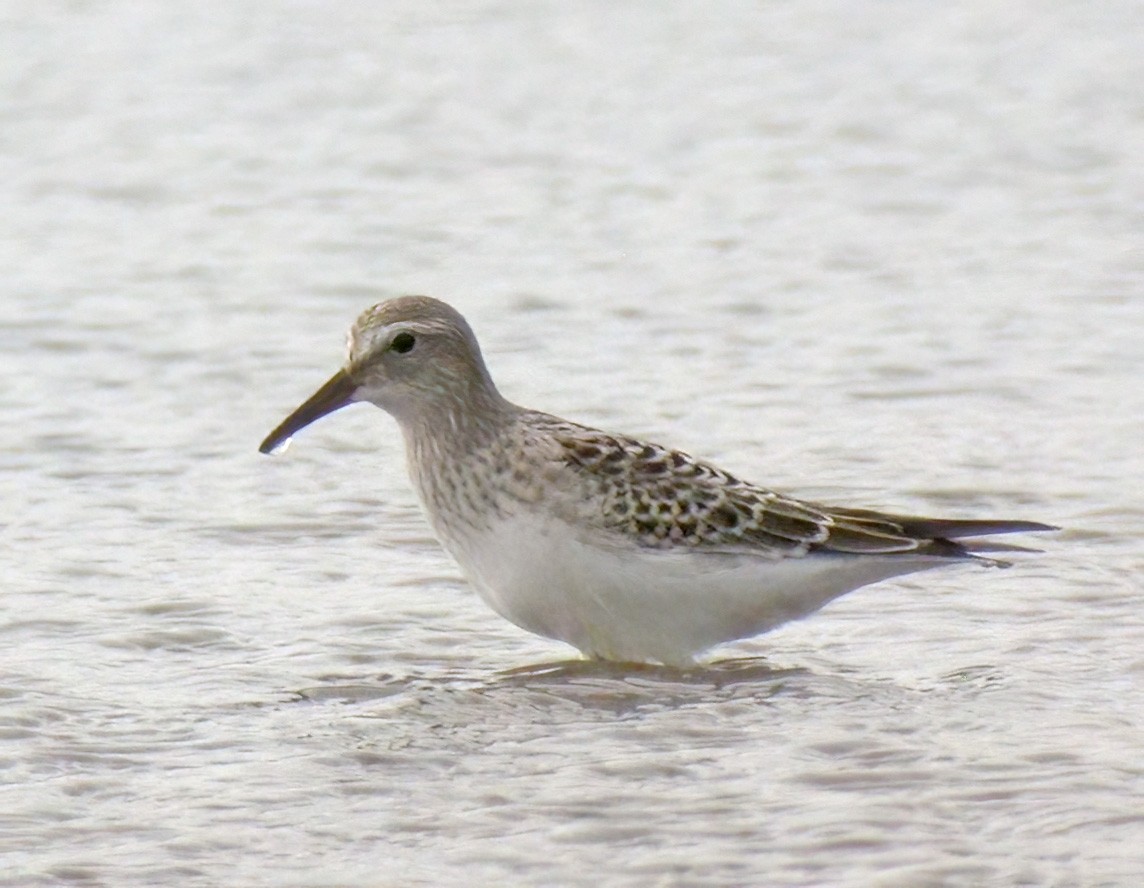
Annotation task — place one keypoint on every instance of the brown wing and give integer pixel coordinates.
(938, 528)
(665, 499)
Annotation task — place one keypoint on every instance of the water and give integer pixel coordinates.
(890, 261)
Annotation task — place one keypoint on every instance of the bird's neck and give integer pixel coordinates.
(452, 462)
(447, 436)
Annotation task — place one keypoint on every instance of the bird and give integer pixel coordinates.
(627, 550)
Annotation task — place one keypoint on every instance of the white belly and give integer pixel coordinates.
(649, 605)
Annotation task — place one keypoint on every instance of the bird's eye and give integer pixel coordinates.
(402, 343)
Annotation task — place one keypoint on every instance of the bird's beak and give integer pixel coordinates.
(339, 391)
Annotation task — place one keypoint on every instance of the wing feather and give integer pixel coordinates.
(666, 499)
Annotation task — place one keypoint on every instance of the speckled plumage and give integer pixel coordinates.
(625, 549)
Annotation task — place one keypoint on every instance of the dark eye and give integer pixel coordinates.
(402, 343)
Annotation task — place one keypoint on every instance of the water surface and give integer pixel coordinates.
(890, 261)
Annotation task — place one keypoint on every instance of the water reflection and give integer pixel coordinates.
(589, 685)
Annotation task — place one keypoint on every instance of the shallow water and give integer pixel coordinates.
(892, 261)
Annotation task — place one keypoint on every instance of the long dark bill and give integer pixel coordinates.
(334, 395)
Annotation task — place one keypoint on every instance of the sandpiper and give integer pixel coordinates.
(626, 550)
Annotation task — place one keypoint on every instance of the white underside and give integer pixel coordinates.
(647, 605)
